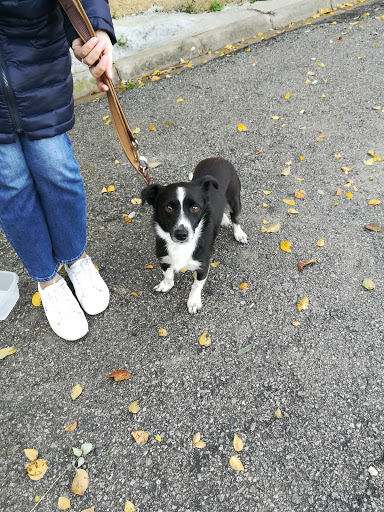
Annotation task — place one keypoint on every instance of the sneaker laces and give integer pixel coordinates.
(59, 300)
(86, 276)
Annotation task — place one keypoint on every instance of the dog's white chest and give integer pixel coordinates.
(180, 255)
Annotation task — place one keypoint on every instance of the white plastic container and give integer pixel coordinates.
(9, 292)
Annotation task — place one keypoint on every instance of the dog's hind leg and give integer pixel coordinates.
(225, 222)
(238, 233)
(168, 281)
(194, 303)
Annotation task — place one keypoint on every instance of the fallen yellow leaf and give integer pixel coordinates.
(292, 210)
(236, 463)
(105, 118)
(278, 413)
(136, 200)
(134, 407)
(320, 242)
(349, 195)
(299, 194)
(287, 96)
(163, 333)
(31, 454)
(205, 340)
(36, 469)
(7, 351)
(237, 443)
(103, 190)
(111, 188)
(265, 205)
(179, 100)
(285, 246)
(129, 507)
(152, 128)
(76, 391)
(63, 503)
(337, 155)
(155, 78)
(108, 122)
(286, 171)
(158, 438)
(140, 436)
(303, 304)
(215, 264)
(374, 202)
(149, 266)
(273, 228)
(289, 201)
(80, 482)
(275, 118)
(267, 192)
(244, 286)
(241, 128)
(36, 299)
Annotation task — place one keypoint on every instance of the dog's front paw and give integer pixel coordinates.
(164, 286)
(239, 234)
(194, 305)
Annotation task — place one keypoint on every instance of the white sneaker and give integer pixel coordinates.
(64, 314)
(91, 291)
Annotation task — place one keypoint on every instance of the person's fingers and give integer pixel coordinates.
(98, 69)
(93, 56)
(81, 50)
(101, 85)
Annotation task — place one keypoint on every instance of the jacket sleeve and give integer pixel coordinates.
(99, 15)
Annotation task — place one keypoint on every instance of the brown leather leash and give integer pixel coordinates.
(80, 21)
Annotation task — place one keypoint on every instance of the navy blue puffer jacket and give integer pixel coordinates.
(35, 66)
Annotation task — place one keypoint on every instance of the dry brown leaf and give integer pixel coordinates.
(31, 454)
(236, 463)
(339, 192)
(80, 482)
(63, 503)
(303, 304)
(140, 436)
(76, 391)
(36, 469)
(299, 194)
(237, 443)
(373, 227)
(119, 375)
(304, 263)
(71, 426)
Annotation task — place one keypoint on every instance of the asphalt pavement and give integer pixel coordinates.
(309, 97)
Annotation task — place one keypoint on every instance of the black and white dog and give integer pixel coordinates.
(187, 219)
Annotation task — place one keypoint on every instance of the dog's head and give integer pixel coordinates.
(179, 208)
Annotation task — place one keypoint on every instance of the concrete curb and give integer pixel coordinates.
(253, 23)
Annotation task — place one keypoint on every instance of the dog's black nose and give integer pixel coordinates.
(181, 234)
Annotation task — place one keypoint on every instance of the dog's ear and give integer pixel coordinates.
(149, 193)
(207, 181)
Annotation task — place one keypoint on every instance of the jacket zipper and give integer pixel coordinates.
(11, 101)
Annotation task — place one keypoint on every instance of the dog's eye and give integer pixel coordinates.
(168, 208)
(195, 208)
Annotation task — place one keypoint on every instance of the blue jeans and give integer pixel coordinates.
(42, 203)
